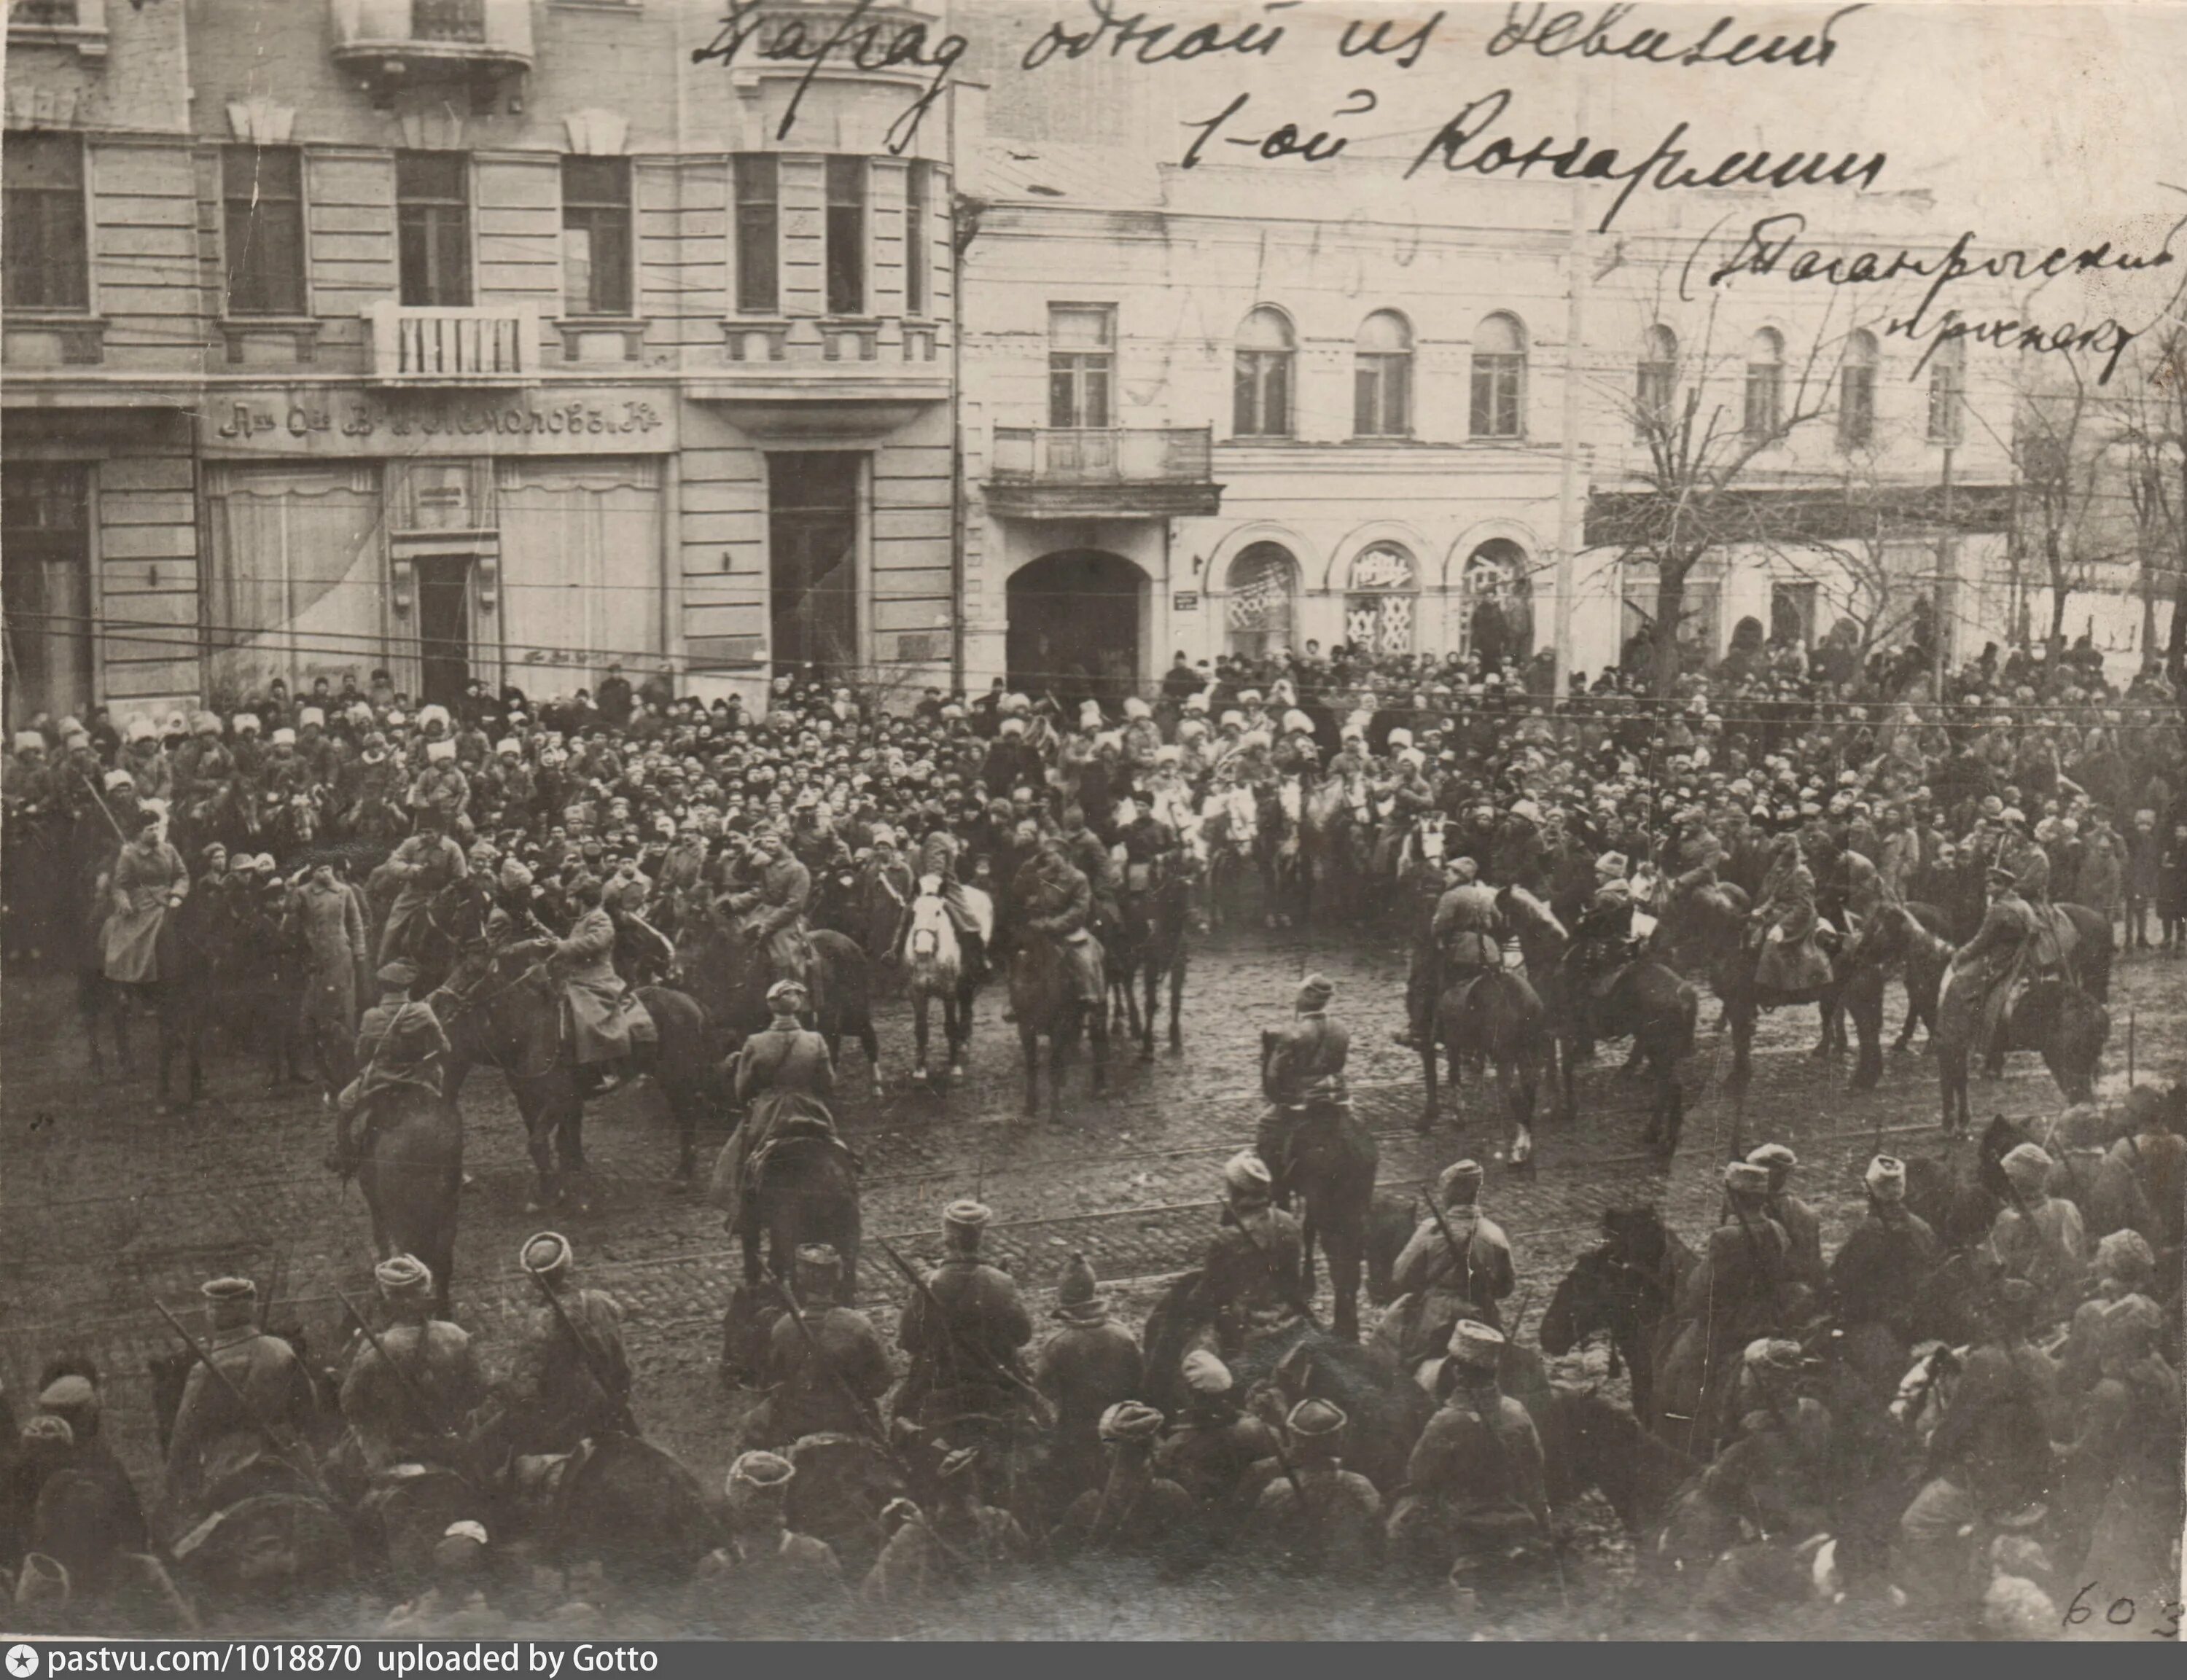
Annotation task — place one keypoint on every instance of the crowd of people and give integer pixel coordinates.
(2036, 1438)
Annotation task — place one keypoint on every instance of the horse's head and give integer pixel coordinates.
(1527, 915)
(1635, 1236)
(933, 936)
(1431, 833)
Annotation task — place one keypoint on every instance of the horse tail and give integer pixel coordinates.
(1688, 1016)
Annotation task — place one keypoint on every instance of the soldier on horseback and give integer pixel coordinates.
(1474, 1483)
(570, 1376)
(938, 852)
(399, 1042)
(964, 1330)
(408, 1393)
(1996, 958)
(1091, 858)
(1457, 1267)
(1783, 923)
(1301, 1069)
(257, 1395)
(1423, 881)
(1601, 939)
(826, 1367)
(425, 862)
(1053, 900)
(608, 1020)
(1248, 1277)
(1468, 929)
(775, 900)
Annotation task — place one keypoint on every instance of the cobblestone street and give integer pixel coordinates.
(108, 1207)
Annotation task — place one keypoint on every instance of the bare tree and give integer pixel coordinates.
(2151, 414)
(1703, 450)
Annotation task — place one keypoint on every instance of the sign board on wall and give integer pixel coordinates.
(320, 420)
(1185, 601)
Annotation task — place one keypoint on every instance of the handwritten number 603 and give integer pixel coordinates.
(2120, 1614)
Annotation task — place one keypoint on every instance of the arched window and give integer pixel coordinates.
(1382, 378)
(1857, 392)
(1765, 384)
(1496, 603)
(1381, 599)
(1261, 586)
(1262, 386)
(1500, 377)
(1655, 394)
(1948, 392)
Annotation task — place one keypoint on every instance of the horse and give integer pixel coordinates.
(630, 1507)
(1644, 1000)
(1156, 917)
(1330, 1163)
(1704, 930)
(411, 1176)
(1336, 850)
(1494, 1018)
(797, 1183)
(1625, 1287)
(1044, 998)
(1279, 814)
(935, 968)
(501, 1009)
(1229, 841)
(2054, 1017)
(1910, 938)
(729, 975)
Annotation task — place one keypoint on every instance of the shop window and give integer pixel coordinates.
(433, 219)
(596, 268)
(1381, 600)
(1496, 603)
(846, 236)
(47, 262)
(1260, 590)
(262, 192)
(759, 229)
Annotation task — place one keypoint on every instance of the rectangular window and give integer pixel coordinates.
(47, 246)
(1381, 395)
(1765, 400)
(262, 192)
(1653, 396)
(759, 225)
(1082, 363)
(1856, 407)
(596, 273)
(433, 220)
(1947, 395)
(45, 529)
(918, 248)
(1498, 382)
(1261, 394)
(846, 236)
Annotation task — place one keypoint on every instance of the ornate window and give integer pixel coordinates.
(1262, 384)
(1259, 590)
(1499, 377)
(1382, 378)
(1381, 599)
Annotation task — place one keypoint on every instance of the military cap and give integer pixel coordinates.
(2028, 1166)
(403, 1277)
(1774, 1353)
(1204, 1374)
(1129, 1420)
(1459, 1176)
(1312, 1418)
(516, 875)
(400, 972)
(46, 1427)
(966, 1215)
(546, 1254)
(1247, 1175)
(1315, 992)
(1076, 1291)
(785, 996)
(759, 1469)
(1611, 864)
(2125, 1255)
(263, 862)
(1744, 1178)
(1475, 1344)
(116, 781)
(1885, 1178)
(229, 1291)
(1772, 1157)
(466, 1529)
(1464, 869)
(68, 1393)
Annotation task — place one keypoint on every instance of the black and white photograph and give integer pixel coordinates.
(1090, 820)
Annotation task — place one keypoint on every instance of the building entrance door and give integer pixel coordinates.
(444, 627)
(812, 555)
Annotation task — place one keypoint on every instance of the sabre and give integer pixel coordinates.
(98, 799)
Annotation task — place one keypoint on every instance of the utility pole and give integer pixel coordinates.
(1948, 582)
(1570, 524)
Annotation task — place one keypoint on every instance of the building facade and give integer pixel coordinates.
(475, 340)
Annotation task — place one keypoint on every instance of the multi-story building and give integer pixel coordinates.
(484, 340)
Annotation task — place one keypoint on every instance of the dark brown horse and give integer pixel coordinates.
(1044, 997)
(1331, 1167)
(1624, 1287)
(1150, 948)
(728, 973)
(1496, 1020)
(412, 1178)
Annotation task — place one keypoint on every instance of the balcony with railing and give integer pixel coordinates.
(453, 347)
(1095, 472)
(396, 41)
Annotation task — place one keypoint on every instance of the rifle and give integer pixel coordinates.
(1043, 1412)
(99, 799)
(623, 1419)
(410, 1390)
(858, 1405)
(282, 1448)
(1461, 1254)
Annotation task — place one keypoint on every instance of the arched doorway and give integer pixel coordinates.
(1496, 603)
(1259, 590)
(1075, 625)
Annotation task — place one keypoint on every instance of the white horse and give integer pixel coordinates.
(1227, 838)
(934, 967)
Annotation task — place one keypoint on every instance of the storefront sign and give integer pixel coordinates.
(1185, 601)
(317, 420)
